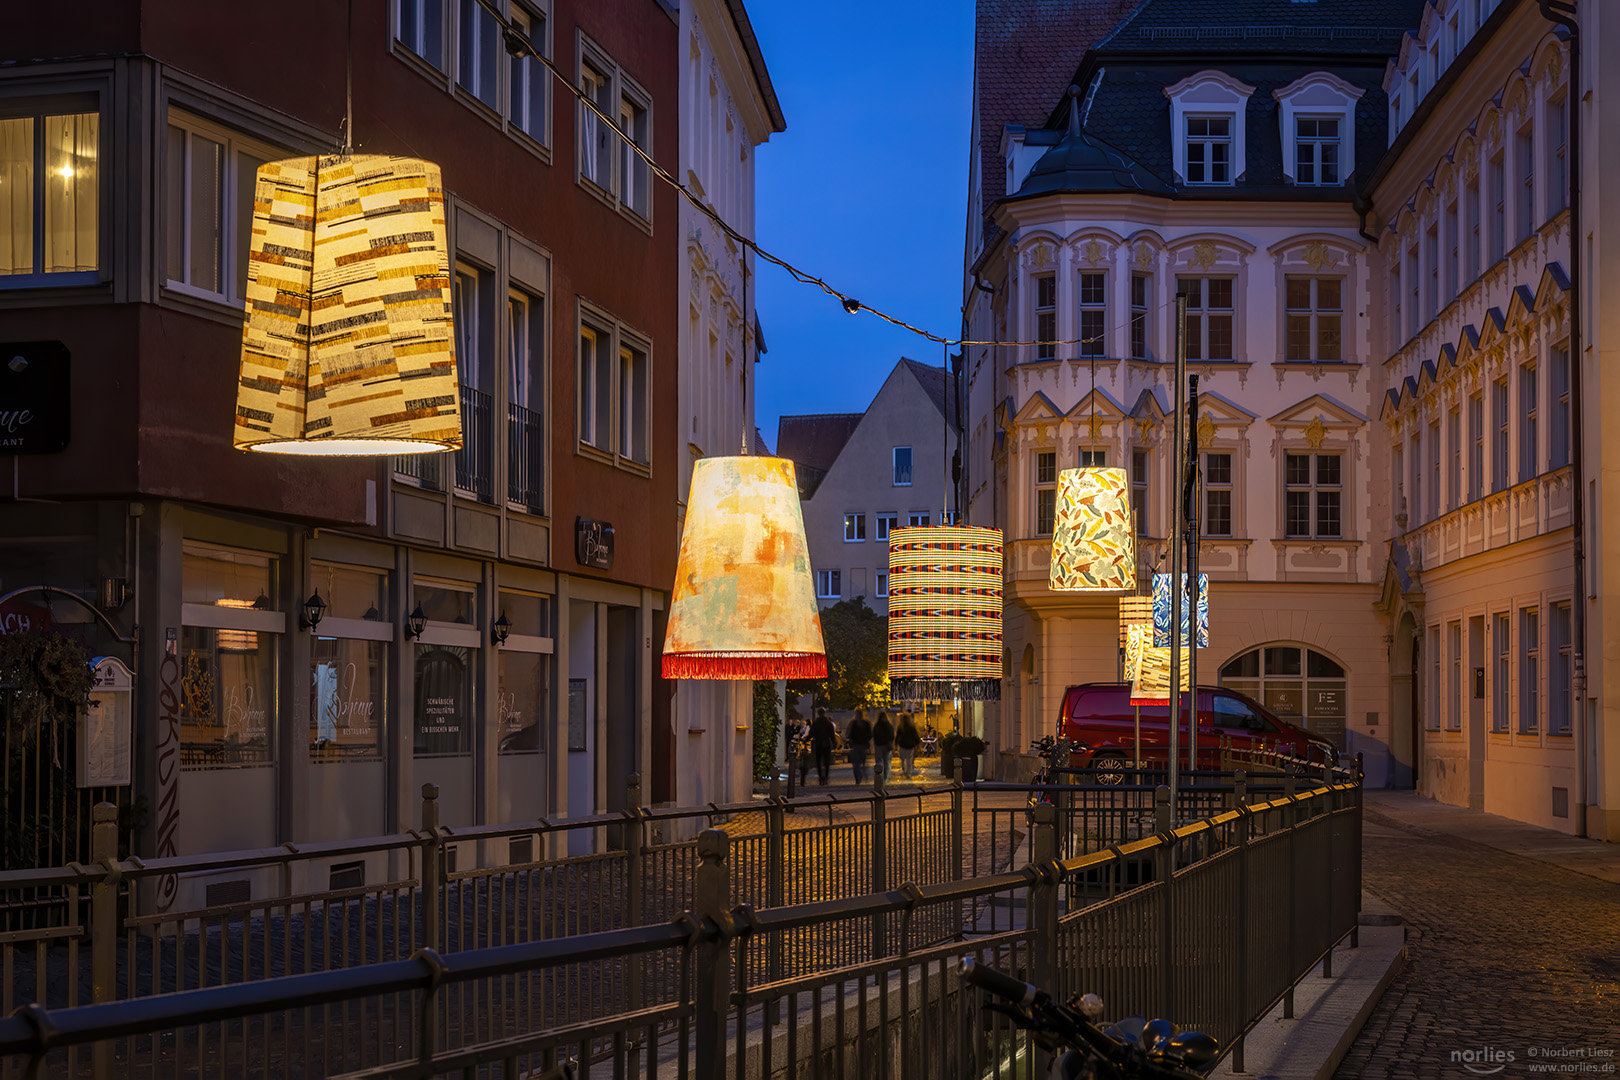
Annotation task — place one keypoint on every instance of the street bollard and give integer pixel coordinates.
(432, 867)
(711, 961)
(103, 924)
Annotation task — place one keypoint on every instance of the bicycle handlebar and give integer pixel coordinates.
(1000, 983)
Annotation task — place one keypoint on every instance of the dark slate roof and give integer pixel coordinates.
(815, 441)
(1024, 54)
(1081, 163)
(1337, 27)
(940, 387)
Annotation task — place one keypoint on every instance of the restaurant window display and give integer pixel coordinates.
(349, 664)
(1301, 686)
(444, 700)
(523, 673)
(228, 650)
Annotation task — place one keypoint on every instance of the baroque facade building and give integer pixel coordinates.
(1368, 217)
(728, 108)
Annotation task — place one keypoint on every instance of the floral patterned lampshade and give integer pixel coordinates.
(1161, 610)
(744, 602)
(945, 614)
(1093, 542)
(348, 345)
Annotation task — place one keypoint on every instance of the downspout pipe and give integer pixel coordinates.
(1363, 206)
(1562, 12)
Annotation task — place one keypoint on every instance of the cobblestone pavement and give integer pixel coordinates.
(1507, 956)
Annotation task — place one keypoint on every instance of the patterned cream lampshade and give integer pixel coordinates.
(744, 603)
(1093, 541)
(945, 614)
(348, 345)
(1148, 668)
(1134, 611)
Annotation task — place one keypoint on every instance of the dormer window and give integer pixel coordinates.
(1317, 117)
(1316, 150)
(1207, 116)
(1209, 149)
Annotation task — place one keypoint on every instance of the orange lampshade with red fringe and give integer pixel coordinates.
(744, 602)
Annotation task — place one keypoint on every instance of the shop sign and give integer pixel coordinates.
(34, 397)
(17, 616)
(1284, 700)
(593, 543)
(104, 733)
(1327, 703)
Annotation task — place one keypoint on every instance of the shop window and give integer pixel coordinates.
(523, 691)
(348, 677)
(228, 686)
(1298, 684)
(445, 709)
(50, 192)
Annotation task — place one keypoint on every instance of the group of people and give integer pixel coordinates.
(879, 741)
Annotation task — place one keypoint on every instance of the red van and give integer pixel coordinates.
(1100, 717)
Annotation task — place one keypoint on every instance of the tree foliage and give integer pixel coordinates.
(45, 680)
(767, 727)
(857, 640)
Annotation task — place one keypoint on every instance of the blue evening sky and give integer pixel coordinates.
(866, 189)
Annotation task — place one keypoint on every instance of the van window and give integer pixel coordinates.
(1230, 712)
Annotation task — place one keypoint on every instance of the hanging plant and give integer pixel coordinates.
(45, 680)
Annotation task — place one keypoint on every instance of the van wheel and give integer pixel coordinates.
(1110, 769)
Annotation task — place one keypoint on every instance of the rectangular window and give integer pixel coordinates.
(1417, 479)
(1045, 316)
(829, 584)
(1140, 293)
(1093, 314)
(420, 28)
(854, 527)
(1529, 671)
(1499, 402)
(1311, 495)
(1560, 671)
(883, 523)
(1454, 459)
(1435, 498)
(1500, 691)
(635, 393)
(1218, 494)
(1139, 490)
(1209, 150)
(346, 694)
(1558, 433)
(526, 396)
(902, 466)
(478, 52)
(1414, 286)
(1210, 316)
(209, 178)
(1471, 236)
(1431, 719)
(1316, 151)
(596, 137)
(50, 196)
(529, 84)
(1454, 704)
(227, 710)
(475, 318)
(635, 115)
(1045, 492)
(880, 583)
(1525, 158)
(1432, 251)
(1476, 446)
(595, 387)
(1557, 155)
(1395, 294)
(1498, 195)
(523, 687)
(1528, 457)
(1094, 459)
(1398, 468)
(1453, 262)
(1315, 312)
(918, 519)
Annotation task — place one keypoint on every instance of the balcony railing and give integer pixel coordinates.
(423, 468)
(475, 461)
(525, 458)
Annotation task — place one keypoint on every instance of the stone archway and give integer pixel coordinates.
(1405, 712)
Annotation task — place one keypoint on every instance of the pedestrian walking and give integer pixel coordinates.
(906, 740)
(883, 744)
(859, 737)
(801, 749)
(822, 737)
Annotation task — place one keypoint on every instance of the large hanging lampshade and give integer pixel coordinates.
(1093, 544)
(744, 603)
(945, 614)
(1161, 610)
(348, 345)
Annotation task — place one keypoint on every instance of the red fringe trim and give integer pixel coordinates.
(745, 666)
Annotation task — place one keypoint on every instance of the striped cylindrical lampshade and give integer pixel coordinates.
(945, 614)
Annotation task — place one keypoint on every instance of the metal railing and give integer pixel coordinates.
(1209, 923)
(525, 458)
(475, 459)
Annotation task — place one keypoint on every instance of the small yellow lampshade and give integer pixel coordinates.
(348, 345)
(1148, 668)
(1093, 543)
(1134, 611)
(945, 614)
(744, 603)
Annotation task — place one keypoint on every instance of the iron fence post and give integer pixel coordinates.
(1240, 784)
(1292, 825)
(635, 840)
(1329, 800)
(880, 866)
(432, 867)
(711, 967)
(1043, 916)
(1165, 872)
(1240, 789)
(956, 844)
(775, 883)
(103, 923)
(1355, 851)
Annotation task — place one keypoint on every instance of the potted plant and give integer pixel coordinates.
(968, 748)
(947, 753)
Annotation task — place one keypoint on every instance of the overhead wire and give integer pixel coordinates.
(517, 44)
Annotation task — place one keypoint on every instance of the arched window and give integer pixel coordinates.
(1297, 683)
